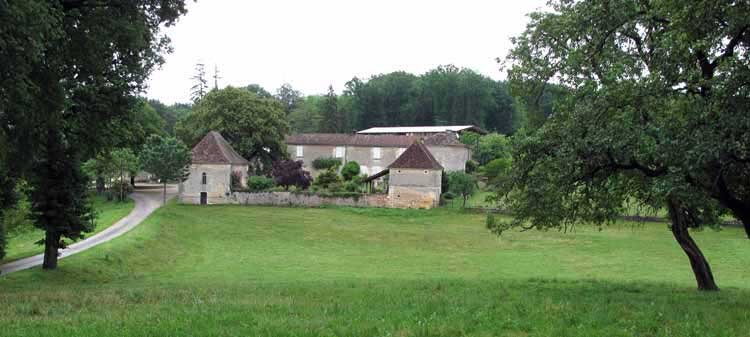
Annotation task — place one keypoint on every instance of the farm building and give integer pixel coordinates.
(210, 180)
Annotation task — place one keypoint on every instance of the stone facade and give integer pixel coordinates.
(414, 188)
(452, 158)
(210, 178)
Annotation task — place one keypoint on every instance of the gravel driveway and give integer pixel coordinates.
(147, 199)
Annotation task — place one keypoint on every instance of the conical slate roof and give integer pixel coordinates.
(214, 149)
(416, 156)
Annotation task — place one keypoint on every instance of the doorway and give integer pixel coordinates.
(204, 198)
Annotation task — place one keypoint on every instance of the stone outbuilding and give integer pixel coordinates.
(210, 180)
(414, 179)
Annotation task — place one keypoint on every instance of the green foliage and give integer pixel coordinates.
(259, 91)
(120, 190)
(259, 183)
(125, 163)
(326, 163)
(235, 181)
(200, 83)
(253, 125)
(59, 198)
(306, 116)
(170, 114)
(333, 119)
(490, 147)
(496, 170)
(463, 184)
(650, 112)
(350, 170)
(289, 98)
(471, 166)
(327, 179)
(167, 158)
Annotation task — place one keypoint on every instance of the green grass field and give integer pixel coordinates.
(23, 244)
(264, 271)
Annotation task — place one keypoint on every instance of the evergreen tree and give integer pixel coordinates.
(200, 88)
(333, 120)
(59, 198)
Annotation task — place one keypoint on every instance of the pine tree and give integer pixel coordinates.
(334, 120)
(59, 197)
(200, 87)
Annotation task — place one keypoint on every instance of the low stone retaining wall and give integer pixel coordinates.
(306, 199)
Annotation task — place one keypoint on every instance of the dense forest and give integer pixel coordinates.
(442, 96)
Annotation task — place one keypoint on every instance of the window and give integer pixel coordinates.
(376, 153)
(203, 178)
(300, 151)
(339, 152)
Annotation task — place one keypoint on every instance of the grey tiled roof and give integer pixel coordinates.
(214, 149)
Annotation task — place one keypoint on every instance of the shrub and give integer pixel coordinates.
(462, 184)
(352, 186)
(350, 170)
(259, 183)
(235, 181)
(327, 178)
(290, 173)
(326, 163)
(471, 166)
(120, 190)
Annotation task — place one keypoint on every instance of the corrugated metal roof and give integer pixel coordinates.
(422, 129)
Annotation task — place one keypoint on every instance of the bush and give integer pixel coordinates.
(327, 178)
(120, 190)
(259, 183)
(350, 170)
(463, 184)
(326, 163)
(235, 181)
(290, 173)
(471, 166)
(352, 186)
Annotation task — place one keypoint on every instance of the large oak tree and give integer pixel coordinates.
(656, 112)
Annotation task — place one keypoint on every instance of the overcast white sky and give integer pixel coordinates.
(311, 44)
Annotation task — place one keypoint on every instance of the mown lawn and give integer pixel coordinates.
(247, 271)
(23, 244)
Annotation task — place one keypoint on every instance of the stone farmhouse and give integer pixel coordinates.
(214, 162)
(375, 152)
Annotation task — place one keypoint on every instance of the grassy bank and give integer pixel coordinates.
(232, 270)
(22, 244)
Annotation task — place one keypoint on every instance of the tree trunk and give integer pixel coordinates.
(100, 185)
(164, 194)
(51, 247)
(680, 217)
(132, 181)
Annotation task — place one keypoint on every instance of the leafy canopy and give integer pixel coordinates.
(253, 125)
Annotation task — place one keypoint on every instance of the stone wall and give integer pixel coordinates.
(305, 199)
